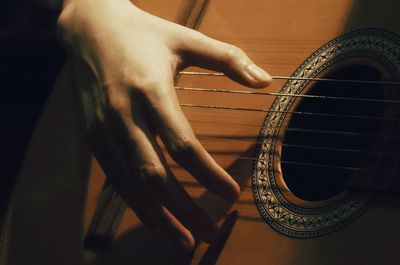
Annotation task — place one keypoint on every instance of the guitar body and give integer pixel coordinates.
(279, 36)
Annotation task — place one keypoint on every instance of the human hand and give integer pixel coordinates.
(126, 61)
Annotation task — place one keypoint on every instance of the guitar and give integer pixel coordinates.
(316, 154)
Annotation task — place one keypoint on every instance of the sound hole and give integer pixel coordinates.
(319, 151)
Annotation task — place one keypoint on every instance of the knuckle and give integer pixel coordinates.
(233, 53)
(194, 37)
(148, 88)
(119, 103)
(145, 82)
(154, 173)
(183, 147)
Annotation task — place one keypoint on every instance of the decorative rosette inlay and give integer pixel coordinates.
(280, 212)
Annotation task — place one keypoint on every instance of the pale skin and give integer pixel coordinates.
(127, 60)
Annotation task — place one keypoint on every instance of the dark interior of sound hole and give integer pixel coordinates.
(316, 148)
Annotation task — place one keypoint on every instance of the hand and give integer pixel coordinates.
(126, 60)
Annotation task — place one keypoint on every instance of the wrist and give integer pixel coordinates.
(80, 17)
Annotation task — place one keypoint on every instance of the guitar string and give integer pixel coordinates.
(322, 148)
(302, 130)
(308, 147)
(289, 112)
(294, 129)
(231, 91)
(284, 94)
(279, 77)
(394, 173)
(371, 179)
(300, 163)
(255, 159)
(381, 158)
(288, 95)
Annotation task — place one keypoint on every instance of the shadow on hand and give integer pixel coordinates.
(137, 246)
(140, 246)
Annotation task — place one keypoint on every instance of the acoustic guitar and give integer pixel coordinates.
(316, 153)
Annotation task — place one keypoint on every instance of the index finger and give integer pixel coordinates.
(175, 131)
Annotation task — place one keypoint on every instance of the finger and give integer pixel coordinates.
(146, 162)
(146, 206)
(203, 51)
(178, 137)
(179, 202)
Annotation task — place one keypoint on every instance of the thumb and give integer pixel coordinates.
(200, 50)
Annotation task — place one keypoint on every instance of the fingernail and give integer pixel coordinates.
(257, 73)
(184, 244)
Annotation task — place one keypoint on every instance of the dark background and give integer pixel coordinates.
(30, 60)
